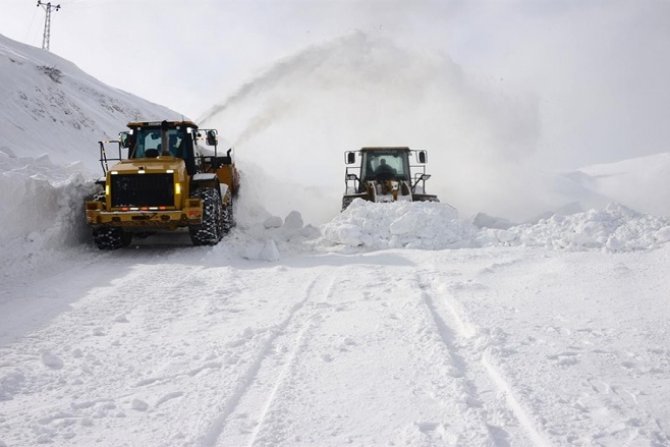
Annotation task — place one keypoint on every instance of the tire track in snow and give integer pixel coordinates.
(217, 427)
(455, 330)
(522, 415)
(298, 346)
(459, 359)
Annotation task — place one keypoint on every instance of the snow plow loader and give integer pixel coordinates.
(385, 174)
(170, 178)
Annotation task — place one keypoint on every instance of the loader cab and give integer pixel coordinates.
(147, 140)
(386, 174)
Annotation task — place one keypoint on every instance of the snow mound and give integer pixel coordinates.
(425, 225)
(436, 226)
(614, 229)
(273, 237)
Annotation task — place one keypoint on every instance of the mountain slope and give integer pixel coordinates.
(639, 183)
(49, 106)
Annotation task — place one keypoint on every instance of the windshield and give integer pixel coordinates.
(387, 164)
(148, 143)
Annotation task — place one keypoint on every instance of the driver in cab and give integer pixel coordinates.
(384, 168)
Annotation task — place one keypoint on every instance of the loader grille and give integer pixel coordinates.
(142, 190)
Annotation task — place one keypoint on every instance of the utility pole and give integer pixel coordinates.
(47, 22)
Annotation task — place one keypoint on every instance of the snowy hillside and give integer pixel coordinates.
(640, 183)
(388, 324)
(49, 106)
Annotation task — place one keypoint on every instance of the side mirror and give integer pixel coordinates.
(352, 177)
(423, 157)
(424, 177)
(125, 139)
(212, 139)
(351, 158)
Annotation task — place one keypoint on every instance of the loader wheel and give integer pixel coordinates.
(227, 221)
(209, 231)
(111, 238)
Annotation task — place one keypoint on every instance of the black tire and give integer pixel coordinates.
(425, 198)
(346, 201)
(108, 238)
(209, 232)
(227, 220)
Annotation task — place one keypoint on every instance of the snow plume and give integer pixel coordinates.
(303, 113)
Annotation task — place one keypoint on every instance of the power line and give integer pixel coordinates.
(47, 22)
(30, 27)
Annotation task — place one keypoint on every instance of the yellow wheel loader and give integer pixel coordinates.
(172, 176)
(386, 174)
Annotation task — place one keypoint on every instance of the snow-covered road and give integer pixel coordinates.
(192, 346)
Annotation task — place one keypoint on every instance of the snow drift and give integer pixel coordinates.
(41, 211)
(435, 226)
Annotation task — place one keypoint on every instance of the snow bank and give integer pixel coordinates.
(42, 208)
(271, 238)
(614, 229)
(402, 224)
(436, 226)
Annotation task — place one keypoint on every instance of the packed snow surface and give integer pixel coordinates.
(159, 345)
